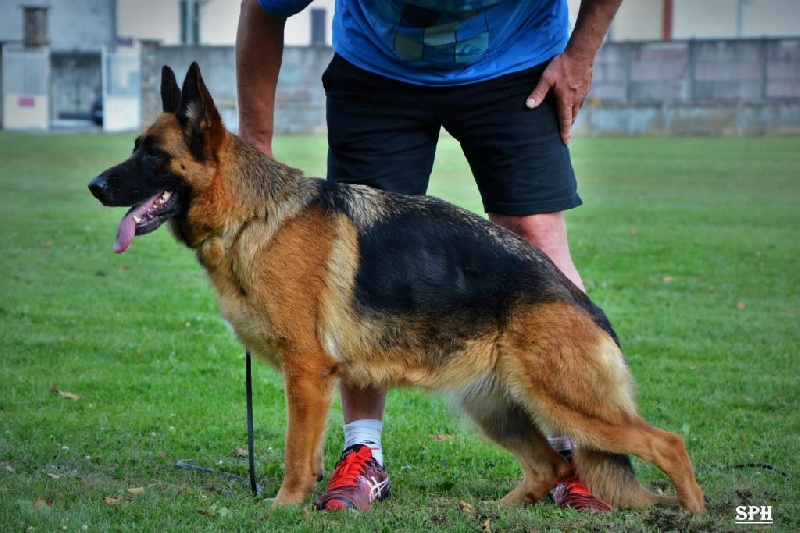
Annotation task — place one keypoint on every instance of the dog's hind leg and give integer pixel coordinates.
(309, 388)
(509, 425)
(571, 375)
(600, 462)
(664, 449)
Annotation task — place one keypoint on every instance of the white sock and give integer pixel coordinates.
(367, 432)
(560, 444)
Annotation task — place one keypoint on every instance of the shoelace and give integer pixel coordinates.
(355, 464)
(573, 484)
(573, 493)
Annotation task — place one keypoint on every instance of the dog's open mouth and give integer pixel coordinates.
(144, 218)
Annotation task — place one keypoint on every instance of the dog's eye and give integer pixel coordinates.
(154, 151)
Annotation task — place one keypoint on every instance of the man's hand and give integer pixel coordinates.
(570, 80)
(569, 75)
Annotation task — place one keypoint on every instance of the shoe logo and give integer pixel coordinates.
(375, 487)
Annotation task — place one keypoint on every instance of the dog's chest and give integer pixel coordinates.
(253, 330)
(242, 309)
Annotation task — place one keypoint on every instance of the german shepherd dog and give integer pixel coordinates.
(335, 282)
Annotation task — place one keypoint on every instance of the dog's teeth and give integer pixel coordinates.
(137, 219)
(166, 195)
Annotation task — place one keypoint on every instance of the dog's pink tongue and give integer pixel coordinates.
(125, 234)
(127, 226)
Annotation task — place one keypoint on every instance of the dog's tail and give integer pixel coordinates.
(611, 478)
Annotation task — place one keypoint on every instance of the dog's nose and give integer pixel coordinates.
(98, 187)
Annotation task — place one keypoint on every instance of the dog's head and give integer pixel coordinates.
(173, 161)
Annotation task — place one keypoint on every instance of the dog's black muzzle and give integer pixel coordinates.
(100, 188)
(119, 186)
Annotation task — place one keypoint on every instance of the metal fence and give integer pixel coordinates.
(26, 88)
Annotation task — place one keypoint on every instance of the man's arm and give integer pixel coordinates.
(259, 50)
(569, 75)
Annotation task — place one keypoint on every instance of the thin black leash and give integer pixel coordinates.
(251, 461)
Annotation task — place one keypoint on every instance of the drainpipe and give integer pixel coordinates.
(666, 19)
(113, 44)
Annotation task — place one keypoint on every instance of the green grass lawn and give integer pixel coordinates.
(691, 246)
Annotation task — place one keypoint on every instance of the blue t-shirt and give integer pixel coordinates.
(443, 42)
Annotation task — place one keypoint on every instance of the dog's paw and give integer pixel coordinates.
(270, 502)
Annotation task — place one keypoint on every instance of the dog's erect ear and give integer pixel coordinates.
(170, 92)
(199, 117)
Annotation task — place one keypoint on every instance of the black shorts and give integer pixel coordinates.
(383, 133)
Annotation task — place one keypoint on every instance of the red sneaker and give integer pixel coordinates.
(571, 492)
(357, 481)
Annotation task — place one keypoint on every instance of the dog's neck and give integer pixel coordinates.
(263, 179)
(254, 188)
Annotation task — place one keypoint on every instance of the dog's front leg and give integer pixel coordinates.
(309, 387)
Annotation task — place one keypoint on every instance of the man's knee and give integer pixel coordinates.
(546, 230)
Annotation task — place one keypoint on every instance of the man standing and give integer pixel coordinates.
(504, 77)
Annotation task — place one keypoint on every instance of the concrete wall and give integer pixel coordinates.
(710, 87)
(300, 99)
(699, 119)
(699, 72)
(640, 88)
(216, 64)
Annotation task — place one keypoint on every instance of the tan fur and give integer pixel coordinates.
(284, 270)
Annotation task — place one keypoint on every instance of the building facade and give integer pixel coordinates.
(670, 53)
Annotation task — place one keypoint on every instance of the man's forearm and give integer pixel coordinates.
(259, 50)
(591, 26)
